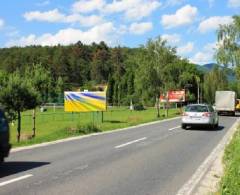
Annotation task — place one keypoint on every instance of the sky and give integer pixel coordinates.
(188, 25)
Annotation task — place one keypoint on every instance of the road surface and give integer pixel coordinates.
(153, 159)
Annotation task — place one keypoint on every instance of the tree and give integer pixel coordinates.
(40, 79)
(152, 59)
(16, 95)
(228, 52)
(100, 64)
(110, 90)
(60, 89)
(213, 81)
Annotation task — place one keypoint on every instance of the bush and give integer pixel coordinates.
(87, 128)
(139, 106)
(82, 129)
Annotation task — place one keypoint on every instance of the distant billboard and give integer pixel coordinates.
(174, 96)
(85, 101)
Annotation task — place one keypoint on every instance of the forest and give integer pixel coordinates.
(123, 69)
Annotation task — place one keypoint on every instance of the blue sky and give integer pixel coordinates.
(187, 24)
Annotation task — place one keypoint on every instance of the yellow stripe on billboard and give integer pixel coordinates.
(85, 101)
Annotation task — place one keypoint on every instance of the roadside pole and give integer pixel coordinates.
(34, 122)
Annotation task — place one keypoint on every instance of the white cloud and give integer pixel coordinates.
(183, 16)
(213, 23)
(1, 23)
(133, 9)
(86, 6)
(206, 55)
(55, 16)
(140, 28)
(123, 29)
(234, 3)
(104, 32)
(210, 47)
(142, 10)
(49, 16)
(202, 58)
(171, 38)
(185, 49)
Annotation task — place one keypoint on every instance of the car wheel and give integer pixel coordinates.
(184, 126)
(1, 159)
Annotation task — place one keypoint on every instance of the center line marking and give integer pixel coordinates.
(174, 128)
(15, 179)
(131, 142)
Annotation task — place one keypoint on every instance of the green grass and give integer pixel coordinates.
(52, 125)
(230, 183)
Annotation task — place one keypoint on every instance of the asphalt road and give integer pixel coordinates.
(153, 159)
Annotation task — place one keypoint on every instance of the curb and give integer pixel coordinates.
(204, 171)
(89, 135)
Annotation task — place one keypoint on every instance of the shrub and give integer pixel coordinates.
(139, 106)
(87, 128)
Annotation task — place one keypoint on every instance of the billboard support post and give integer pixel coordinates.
(92, 119)
(157, 105)
(102, 116)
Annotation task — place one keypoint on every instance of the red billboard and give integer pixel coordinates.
(173, 96)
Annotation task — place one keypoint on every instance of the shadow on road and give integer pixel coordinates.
(10, 168)
(196, 128)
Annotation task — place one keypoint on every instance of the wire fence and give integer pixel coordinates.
(53, 113)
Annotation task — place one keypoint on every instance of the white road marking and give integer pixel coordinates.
(15, 179)
(174, 128)
(131, 142)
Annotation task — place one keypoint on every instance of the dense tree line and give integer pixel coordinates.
(80, 65)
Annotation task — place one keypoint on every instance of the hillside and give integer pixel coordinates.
(208, 67)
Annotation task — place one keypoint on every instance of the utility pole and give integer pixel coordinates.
(198, 90)
(157, 97)
(198, 93)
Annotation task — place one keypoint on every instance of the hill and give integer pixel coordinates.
(208, 67)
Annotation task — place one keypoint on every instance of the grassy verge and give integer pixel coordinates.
(230, 183)
(57, 124)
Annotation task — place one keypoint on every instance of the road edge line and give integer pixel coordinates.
(4, 183)
(191, 184)
(18, 149)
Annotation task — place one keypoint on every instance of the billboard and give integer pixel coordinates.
(85, 101)
(174, 96)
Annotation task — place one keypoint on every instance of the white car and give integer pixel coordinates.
(199, 115)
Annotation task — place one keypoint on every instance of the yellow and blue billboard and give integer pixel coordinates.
(85, 101)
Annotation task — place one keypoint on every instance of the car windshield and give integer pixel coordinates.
(196, 108)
